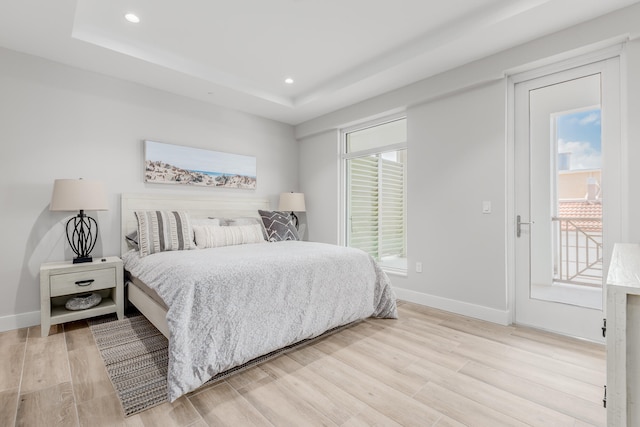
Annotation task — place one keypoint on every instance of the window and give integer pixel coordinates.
(577, 204)
(375, 163)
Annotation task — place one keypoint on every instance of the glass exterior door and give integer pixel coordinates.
(560, 200)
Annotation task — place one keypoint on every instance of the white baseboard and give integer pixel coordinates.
(459, 307)
(17, 321)
(25, 320)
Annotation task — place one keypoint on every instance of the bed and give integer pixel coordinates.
(223, 306)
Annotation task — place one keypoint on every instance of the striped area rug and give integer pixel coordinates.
(136, 357)
(135, 354)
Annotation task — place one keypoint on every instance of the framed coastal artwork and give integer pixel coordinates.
(177, 164)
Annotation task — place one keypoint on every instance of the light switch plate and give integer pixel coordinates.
(486, 207)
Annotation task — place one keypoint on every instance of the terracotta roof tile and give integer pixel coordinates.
(575, 210)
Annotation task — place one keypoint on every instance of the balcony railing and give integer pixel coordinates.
(578, 254)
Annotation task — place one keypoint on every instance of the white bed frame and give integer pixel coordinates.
(198, 206)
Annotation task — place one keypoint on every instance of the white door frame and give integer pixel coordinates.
(616, 185)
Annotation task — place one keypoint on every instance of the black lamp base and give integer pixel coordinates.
(294, 219)
(82, 234)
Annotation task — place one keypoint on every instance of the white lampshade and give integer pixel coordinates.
(78, 194)
(292, 202)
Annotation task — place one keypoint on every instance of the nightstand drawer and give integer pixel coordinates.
(83, 281)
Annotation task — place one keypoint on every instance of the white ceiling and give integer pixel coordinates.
(237, 53)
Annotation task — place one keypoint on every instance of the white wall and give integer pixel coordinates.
(458, 158)
(631, 127)
(62, 122)
(321, 183)
(456, 161)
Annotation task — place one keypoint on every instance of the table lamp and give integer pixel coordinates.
(79, 195)
(292, 202)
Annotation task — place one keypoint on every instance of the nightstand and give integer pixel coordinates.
(60, 281)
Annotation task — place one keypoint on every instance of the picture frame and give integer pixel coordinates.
(177, 164)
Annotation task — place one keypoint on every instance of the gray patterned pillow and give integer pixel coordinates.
(278, 226)
(160, 231)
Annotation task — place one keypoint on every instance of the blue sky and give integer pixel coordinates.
(580, 134)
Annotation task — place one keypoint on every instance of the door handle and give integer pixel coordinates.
(519, 223)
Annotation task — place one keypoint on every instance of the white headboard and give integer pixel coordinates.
(198, 206)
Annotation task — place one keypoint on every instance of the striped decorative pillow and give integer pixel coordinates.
(160, 231)
(214, 237)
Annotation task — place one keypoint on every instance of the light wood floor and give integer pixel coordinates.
(430, 368)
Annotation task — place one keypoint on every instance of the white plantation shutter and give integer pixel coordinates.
(392, 212)
(364, 201)
(376, 196)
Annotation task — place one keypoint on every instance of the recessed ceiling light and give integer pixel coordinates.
(132, 17)
(288, 81)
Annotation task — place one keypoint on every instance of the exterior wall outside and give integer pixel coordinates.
(573, 184)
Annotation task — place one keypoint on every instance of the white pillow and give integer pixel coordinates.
(217, 236)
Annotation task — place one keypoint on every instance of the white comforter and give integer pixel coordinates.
(232, 304)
